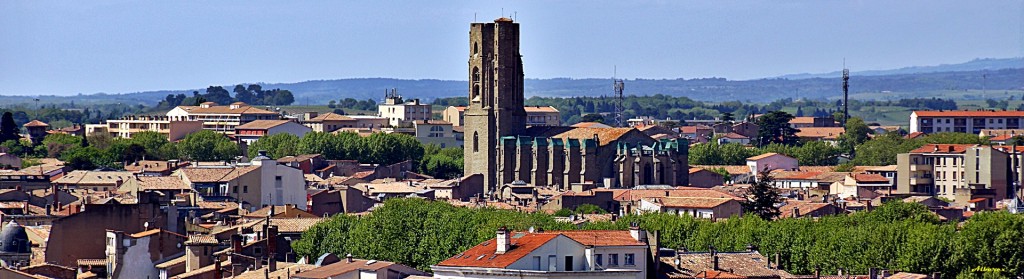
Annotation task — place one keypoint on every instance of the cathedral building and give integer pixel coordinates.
(507, 153)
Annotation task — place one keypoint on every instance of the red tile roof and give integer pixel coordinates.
(717, 274)
(766, 155)
(602, 238)
(800, 175)
(691, 202)
(915, 135)
(36, 123)
(869, 178)
(693, 129)
(829, 133)
(483, 255)
(943, 148)
(963, 113)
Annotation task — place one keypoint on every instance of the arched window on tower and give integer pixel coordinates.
(476, 142)
(475, 94)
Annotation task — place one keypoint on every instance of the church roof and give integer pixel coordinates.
(605, 135)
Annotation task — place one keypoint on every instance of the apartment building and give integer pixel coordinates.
(535, 116)
(127, 126)
(254, 130)
(400, 112)
(435, 132)
(963, 121)
(958, 172)
(222, 119)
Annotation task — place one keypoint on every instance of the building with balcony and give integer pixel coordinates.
(957, 172)
(330, 122)
(963, 121)
(252, 131)
(127, 126)
(221, 119)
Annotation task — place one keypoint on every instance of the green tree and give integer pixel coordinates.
(952, 138)
(817, 153)
(856, 133)
(762, 198)
(329, 236)
(882, 150)
(8, 129)
(774, 128)
(592, 117)
(276, 145)
(587, 208)
(207, 145)
(151, 142)
(326, 144)
(56, 144)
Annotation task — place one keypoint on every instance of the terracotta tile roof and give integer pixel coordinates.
(766, 155)
(293, 225)
(161, 183)
(802, 120)
(91, 262)
(172, 262)
(388, 188)
(943, 148)
(201, 239)
(881, 168)
(601, 238)
(216, 174)
(828, 133)
(738, 263)
(869, 178)
(803, 207)
(261, 124)
(635, 195)
(152, 166)
(590, 125)
(605, 135)
(330, 116)
(483, 255)
(708, 274)
(690, 202)
(976, 200)
(94, 177)
(284, 270)
(732, 169)
(153, 232)
(459, 108)
(968, 113)
(694, 129)
(530, 109)
(297, 158)
(286, 211)
(798, 175)
(915, 135)
(336, 270)
(202, 270)
(1001, 137)
(36, 123)
(206, 204)
(907, 275)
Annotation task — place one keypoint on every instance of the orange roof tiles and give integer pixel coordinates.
(694, 129)
(962, 113)
(869, 178)
(829, 133)
(602, 238)
(943, 148)
(36, 123)
(802, 207)
(343, 267)
(717, 274)
(261, 124)
(483, 255)
(802, 120)
(530, 109)
(799, 175)
(590, 125)
(762, 156)
(690, 202)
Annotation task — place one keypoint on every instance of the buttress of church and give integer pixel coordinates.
(500, 147)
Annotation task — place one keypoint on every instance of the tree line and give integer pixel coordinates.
(253, 94)
(897, 236)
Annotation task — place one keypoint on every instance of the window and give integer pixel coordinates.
(613, 259)
(476, 142)
(235, 189)
(630, 259)
(599, 259)
(245, 189)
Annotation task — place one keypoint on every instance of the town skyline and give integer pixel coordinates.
(121, 48)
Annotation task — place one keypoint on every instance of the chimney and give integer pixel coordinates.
(885, 273)
(936, 275)
(271, 262)
(796, 212)
(502, 244)
(236, 243)
(839, 271)
(817, 272)
(714, 262)
(637, 233)
(271, 240)
(348, 258)
(778, 261)
(872, 273)
(216, 269)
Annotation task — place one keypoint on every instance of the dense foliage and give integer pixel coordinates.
(252, 94)
(897, 236)
(815, 153)
(882, 149)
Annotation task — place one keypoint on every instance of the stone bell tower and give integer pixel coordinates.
(495, 95)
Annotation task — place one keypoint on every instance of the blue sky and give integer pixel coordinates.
(69, 47)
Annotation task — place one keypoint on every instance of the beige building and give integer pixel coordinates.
(957, 172)
(436, 132)
(129, 125)
(330, 122)
(535, 116)
(963, 121)
(222, 119)
(256, 184)
(400, 112)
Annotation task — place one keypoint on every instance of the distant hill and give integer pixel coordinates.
(891, 84)
(973, 65)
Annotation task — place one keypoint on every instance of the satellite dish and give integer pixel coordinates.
(146, 225)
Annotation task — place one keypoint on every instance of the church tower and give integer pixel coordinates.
(495, 96)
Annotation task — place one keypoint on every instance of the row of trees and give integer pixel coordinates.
(898, 236)
(350, 103)
(253, 94)
(815, 153)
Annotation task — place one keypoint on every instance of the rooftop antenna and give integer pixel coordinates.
(474, 17)
(618, 85)
(846, 93)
